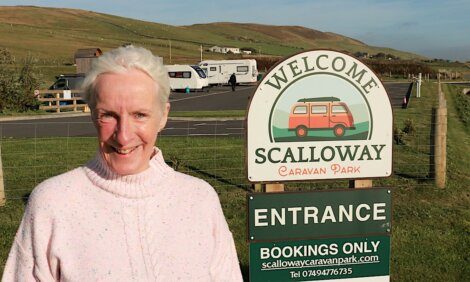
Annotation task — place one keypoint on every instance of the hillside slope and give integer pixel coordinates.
(53, 35)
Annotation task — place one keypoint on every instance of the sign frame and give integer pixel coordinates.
(340, 177)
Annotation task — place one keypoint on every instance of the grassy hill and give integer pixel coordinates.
(52, 35)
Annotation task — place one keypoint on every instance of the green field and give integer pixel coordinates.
(52, 36)
(431, 226)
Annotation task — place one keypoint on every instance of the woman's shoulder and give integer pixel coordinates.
(57, 186)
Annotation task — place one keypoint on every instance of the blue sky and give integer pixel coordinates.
(438, 29)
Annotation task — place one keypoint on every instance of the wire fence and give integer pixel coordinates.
(212, 150)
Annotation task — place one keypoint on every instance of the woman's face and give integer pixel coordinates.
(128, 115)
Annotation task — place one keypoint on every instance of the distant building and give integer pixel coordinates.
(225, 50)
(246, 52)
(216, 49)
(84, 57)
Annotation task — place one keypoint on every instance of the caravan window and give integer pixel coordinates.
(199, 71)
(180, 74)
(213, 68)
(242, 69)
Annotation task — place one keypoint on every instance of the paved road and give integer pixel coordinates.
(222, 98)
(82, 126)
(218, 98)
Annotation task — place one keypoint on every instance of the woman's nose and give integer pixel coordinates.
(124, 132)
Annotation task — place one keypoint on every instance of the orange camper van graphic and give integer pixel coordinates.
(322, 113)
(299, 115)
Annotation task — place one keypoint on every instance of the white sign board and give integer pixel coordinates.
(319, 115)
(67, 94)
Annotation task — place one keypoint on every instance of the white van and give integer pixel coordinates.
(186, 76)
(219, 71)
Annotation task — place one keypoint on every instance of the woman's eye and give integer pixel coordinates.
(140, 115)
(105, 116)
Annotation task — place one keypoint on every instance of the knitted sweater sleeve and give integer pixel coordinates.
(30, 258)
(224, 266)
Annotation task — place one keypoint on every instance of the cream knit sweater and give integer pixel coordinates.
(90, 224)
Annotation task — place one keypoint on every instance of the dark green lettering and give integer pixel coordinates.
(359, 74)
(378, 150)
(301, 155)
(347, 153)
(342, 66)
(260, 153)
(365, 151)
(294, 68)
(323, 155)
(371, 83)
(318, 62)
(289, 155)
(270, 155)
(278, 79)
(312, 155)
(306, 64)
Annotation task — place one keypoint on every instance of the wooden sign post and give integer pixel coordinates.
(2, 187)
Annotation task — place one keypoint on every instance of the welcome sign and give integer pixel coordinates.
(319, 114)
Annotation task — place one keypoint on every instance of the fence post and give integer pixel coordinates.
(418, 88)
(57, 96)
(258, 187)
(2, 186)
(440, 140)
(360, 183)
(269, 188)
(279, 187)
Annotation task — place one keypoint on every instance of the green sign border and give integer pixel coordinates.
(319, 199)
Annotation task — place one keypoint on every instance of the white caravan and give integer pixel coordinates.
(219, 71)
(184, 77)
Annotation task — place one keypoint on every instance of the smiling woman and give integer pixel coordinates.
(128, 117)
(125, 215)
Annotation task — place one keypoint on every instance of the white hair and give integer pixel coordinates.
(122, 59)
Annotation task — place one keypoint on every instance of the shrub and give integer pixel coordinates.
(399, 67)
(17, 84)
(409, 127)
(398, 136)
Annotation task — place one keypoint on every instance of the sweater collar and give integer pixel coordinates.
(140, 185)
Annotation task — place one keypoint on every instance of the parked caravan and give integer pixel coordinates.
(219, 71)
(323, 113)
(186, 77)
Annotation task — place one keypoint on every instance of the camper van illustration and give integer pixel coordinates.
(320, 113)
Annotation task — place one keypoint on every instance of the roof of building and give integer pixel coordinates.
(88, 53)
